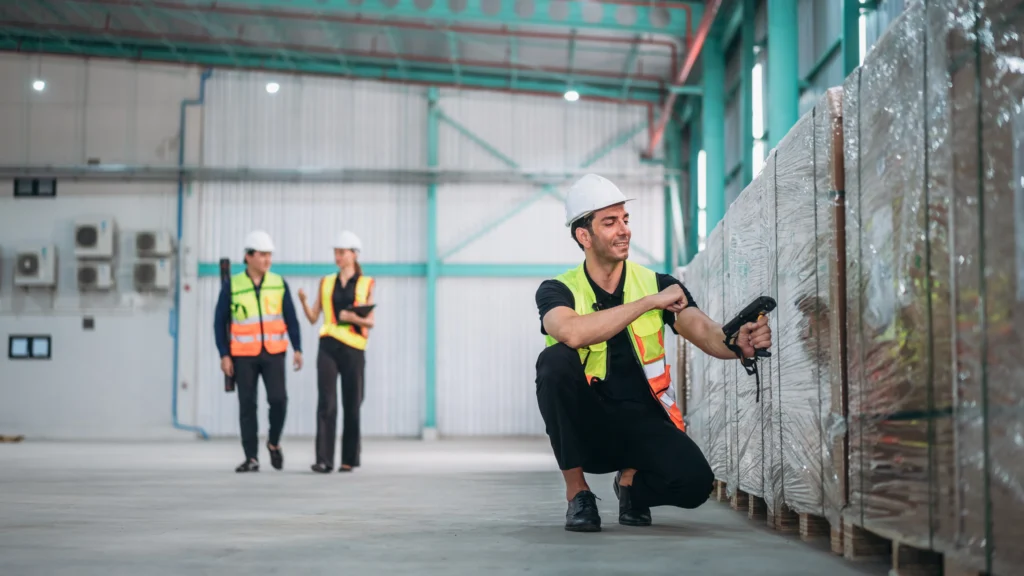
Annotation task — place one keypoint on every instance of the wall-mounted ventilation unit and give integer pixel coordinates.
(36, 267)
(95, 238)
(95, 276)
(152, 275)
(153, 243)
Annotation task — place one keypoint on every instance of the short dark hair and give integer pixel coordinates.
(587, 223)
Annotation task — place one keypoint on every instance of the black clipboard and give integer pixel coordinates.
(363, 311)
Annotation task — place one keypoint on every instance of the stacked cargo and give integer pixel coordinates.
(907, 423)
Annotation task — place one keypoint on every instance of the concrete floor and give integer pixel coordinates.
(447, 507)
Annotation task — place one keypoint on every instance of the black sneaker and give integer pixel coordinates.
(276, 457)
(321, 468)
(630, 515)
(249, 466)
(582, 515)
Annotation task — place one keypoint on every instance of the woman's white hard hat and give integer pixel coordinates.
(346, 240)
(590, 194)
(259, 241)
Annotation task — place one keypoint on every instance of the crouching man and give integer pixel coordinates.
(603, 385)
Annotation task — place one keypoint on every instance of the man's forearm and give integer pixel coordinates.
(714, 343)
(601, 326)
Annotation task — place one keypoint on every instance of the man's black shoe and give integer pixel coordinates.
(630, 515)
(582, 514)
(248, 466)
(276, 457)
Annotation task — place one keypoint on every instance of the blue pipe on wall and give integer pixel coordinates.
(175, 323)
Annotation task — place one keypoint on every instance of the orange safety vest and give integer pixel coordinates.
(257, 323)
(646, 333)
(347, 334)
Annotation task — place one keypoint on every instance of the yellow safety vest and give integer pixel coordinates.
(257, 323)
(645, 333)
(348, 334)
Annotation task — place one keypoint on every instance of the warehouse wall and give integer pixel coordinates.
(113, 381)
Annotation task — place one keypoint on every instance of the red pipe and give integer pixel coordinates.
(327, 75)
(209, 41)
(710, 10)
(413, 25)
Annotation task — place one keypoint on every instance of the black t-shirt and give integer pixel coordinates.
(625, 381)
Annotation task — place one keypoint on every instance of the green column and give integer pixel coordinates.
(430, 421)
(713, 123)
(673, 209)
(783, 69)
(695, 146)
(851, 35)
(749, 12)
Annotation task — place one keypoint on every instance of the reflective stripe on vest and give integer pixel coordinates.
(257, 323)
(645, 333)
(347, 334)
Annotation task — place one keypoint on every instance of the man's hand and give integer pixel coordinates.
(754, 336)
(297, 360)
(672, 299)
(347, 317)
(302, 295)
(227, 366)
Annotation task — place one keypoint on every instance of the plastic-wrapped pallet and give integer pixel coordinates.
(986, 131)
(717, 451)
(897, 270)
(748, 227)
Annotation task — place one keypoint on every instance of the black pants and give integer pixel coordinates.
(334, 359)
(248, 369)
(591, 432)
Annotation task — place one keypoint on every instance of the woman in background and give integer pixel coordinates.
(343, 338)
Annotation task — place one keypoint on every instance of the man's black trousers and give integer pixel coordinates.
(248, 369)
(591, 432)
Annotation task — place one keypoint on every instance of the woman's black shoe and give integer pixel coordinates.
(321, 468)
(276, 457)
(248, 466)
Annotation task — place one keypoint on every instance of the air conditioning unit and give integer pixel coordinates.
(153, 243)
(152, 275)
(94, 238)
(95, 276)
(36, 267)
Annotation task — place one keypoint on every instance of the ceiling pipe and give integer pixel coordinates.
(327, 51)
(710, 11)
(407, 24)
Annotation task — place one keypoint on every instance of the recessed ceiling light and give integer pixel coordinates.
(572, 95)
(273, 87)
(39, 85)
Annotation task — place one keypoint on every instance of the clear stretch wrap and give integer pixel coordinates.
(771, 369)
(748, 228)
(986, 130)
(898, 271)
(696, 416)
(715, 370)
(799, 338)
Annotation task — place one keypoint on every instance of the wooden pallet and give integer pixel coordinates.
(739, 500)
(786, 520)
(813, 527)
(756, 508)
(907, 559)
(11, 439)
(720, 493)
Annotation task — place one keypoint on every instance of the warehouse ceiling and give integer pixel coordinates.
(625, 50)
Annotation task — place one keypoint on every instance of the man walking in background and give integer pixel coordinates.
(254, 316)
(603, 385)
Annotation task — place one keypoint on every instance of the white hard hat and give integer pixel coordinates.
(588, 194)
(259, 241)
(348, 241)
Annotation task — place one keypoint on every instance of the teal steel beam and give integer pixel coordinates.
(713, 124)
(628, 68)
(747, 29)
(453, 54)
(572, 56)
(513, 57)
(329, 34)
(433, 129)
(648, 19)
(404, 270)
(477, 140)
(20, 41)
(851, 36)
(783, 69)
(823, 61)
(686, 90)
(396, 49)
(731, 25)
